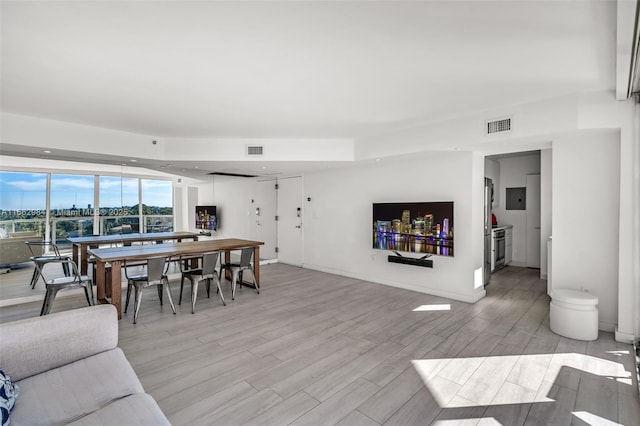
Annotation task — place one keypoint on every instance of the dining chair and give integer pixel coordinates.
(206, 272)
(238, 268)
(42, 253)
(155, 274)
(74, 279)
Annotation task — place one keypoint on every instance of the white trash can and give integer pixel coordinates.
(574, 314)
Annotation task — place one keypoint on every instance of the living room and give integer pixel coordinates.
(345, 156)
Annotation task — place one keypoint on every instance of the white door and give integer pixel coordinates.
(290, 221)
(263, 215)
(533, 221)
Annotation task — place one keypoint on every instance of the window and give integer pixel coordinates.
(72, 204)
(119, 200)
(157, 205)
(71, 207)
(23, 201)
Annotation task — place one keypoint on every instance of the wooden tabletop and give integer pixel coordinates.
(177, 249)
(138, 236)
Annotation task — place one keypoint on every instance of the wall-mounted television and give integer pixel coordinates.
(425, 227)
(206, 218)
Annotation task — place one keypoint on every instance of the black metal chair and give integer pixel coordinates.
(237, 270)
(74, 279)
(155, 275)
(40, 259)
(206, 272)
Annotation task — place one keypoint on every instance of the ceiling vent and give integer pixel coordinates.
(255, 150)
(501, 125)
(243, 175)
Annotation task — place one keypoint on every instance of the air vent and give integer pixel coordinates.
(498, 126)
(232, 174)
(253, 150)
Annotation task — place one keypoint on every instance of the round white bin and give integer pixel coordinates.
(573, 314)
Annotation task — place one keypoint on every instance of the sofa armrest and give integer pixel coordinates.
(35, 345)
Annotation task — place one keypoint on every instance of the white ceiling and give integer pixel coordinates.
(295, 68)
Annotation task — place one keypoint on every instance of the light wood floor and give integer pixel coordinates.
(315, 349)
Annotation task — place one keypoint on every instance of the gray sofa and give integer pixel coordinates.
(70, 371)
(14, 250)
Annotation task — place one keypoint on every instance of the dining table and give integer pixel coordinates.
(80, 245)
(113, 258)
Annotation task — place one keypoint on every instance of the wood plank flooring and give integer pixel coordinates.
(320, 349)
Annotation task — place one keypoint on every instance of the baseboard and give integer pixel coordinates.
(473, 298)
(624, 337)
(606, 326)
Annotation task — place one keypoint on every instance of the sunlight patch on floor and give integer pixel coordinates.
(518, 379)
(592, 419)
(488, 421)
(425, 308)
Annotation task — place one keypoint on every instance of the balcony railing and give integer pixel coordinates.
(79, 226)
(23, 225)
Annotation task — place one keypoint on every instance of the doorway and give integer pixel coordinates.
(518, 173)
(290, 221)
(533, 220)
(263, 214)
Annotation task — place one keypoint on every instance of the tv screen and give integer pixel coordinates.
(206, 218)
(425, 227)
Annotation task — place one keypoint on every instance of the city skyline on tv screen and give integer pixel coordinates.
(418, 227)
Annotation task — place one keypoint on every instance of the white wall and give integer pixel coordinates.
(467, 133)
(24, 164)
(513, 173)
(179, 209)
(338, 221)
(233, 204)
(59, 135)
(299, 149)
(546, 207)
(186, 198)
(586, 208)
(635, 228)
(597, 111)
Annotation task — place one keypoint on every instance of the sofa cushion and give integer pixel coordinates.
(137, 409)
(70, 392)
(67, 337)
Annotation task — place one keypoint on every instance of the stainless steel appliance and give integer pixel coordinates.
(488, 200)
(499, 244)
